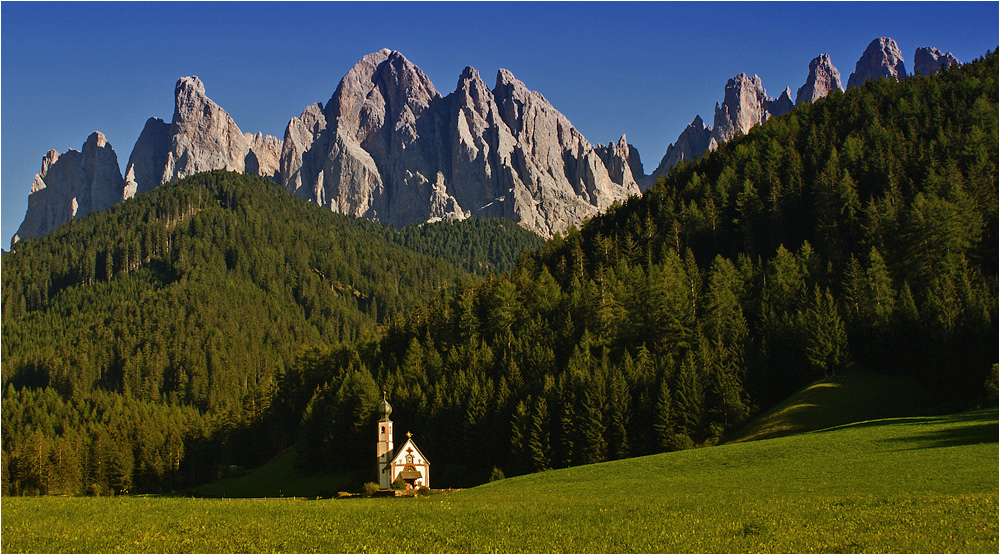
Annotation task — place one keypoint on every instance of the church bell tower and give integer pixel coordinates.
(384, 449)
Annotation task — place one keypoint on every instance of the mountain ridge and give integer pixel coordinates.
(389, 147)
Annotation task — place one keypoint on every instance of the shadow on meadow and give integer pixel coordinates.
(976, 427)
(979, 427)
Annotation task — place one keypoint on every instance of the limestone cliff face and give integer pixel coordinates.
(558, 177)
(149, 157)
(822, 80)
(622, 162)
(300, 150)
(72, 184)
(882, 59)
(928, 60)
(262, 158)
(200, 137)
(745, 105)
(390, 148)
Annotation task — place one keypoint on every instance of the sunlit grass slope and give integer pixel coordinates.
(842, 399)
(919, 484)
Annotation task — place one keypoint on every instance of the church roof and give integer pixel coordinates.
(402, 450)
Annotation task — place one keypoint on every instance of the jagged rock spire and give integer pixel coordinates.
(882, 59)
(72, 184)
(822, 80)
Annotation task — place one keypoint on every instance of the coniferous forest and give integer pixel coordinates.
(217, 320)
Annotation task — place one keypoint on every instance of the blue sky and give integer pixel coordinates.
(643, 69)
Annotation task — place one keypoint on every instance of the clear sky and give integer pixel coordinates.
(643, 69)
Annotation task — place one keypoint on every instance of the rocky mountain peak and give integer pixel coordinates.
(405, 83)
(95, 140)
(72, 184)
(202, 135)
(928, 60)
(509, 87)
(881, 59)
(691, 144)
(473, 94)
(823, 78)
(391, 149)
(781, 105)
(622, 162)
(50, 158)
(744, 106)
(189, 96)
(301, 134)
(148, 158)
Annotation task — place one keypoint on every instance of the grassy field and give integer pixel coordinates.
(920, 484)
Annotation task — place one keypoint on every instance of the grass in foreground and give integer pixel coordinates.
(926, 484)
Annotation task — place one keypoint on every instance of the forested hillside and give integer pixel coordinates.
(855, 232)
(173, 316)
(858, 231)
(479, 246)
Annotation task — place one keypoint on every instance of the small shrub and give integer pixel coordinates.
(370, 488)
(424, 491)
(497, 474)
(991, 384)
(680, 442)
(399, 483)
(715, 433)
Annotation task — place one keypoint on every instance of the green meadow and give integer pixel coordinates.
(915, 484)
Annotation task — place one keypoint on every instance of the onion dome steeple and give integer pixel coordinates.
(384, 408)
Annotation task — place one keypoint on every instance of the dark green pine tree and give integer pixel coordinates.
(826, 347)
(663, 418)
(689, 397)
(537, 440)
(616, 417)
(592, 446)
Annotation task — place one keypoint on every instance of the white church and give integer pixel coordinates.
(406, 462)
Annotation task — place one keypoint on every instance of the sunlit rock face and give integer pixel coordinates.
(200, 137)
(390, 148)
(70, 185)
(822, 80)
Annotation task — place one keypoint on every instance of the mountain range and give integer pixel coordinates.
(389, 147)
